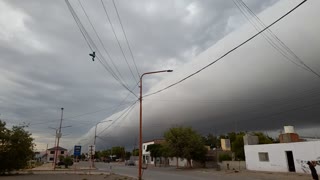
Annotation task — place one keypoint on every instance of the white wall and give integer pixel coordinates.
(182, 162)
(302, 152)
(146, 154)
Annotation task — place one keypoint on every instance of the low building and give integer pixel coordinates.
(146, 157)
(290, 156)
(60, 152)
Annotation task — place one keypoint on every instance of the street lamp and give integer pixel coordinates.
(140, 130)
(95, 136)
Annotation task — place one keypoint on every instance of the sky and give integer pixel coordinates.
(45, 65)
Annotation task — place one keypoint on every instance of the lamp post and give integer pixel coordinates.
(140, 129)
(95, 136)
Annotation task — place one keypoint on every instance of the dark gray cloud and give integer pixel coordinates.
(45, 66)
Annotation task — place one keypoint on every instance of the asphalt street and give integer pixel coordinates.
(171, 173)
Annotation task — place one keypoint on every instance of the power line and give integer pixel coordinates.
(92, 46)
(125, 36)
(127, 111)
(97, 35)
(227, 53)
(278, 45)
(115, 35)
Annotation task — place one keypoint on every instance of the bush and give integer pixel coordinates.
(224, 157)
(67, 162)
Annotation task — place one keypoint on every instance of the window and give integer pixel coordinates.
(151, 158)
(51, 152)
(51, 159)
(62, 152)
(263, 156)
(144, 147)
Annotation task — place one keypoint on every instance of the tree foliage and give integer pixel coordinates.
(16, 148)
(184, 142)
(118, 151)
(155, 151)
(211, 141)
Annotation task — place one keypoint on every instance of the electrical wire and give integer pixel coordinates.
(125, 36)
(279, 44)
(227, 53)
(93, 47)
(97, 35)
(127, 111)
(115, 35)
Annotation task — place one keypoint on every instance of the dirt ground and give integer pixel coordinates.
(65, 177)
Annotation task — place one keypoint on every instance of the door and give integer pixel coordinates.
(290, 161)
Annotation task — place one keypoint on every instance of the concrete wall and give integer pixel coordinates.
(278, 162)
(236, 165)
(181, 162)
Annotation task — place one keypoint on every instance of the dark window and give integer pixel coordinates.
(263, 156)
(51, 159)
(62, 152)
(51, 152)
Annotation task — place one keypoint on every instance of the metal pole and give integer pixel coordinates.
(140, 132)
(95, 137)
(140, 122)
(58, 135)
(94, 142)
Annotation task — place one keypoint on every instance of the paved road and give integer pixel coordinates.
(171, 173)
(165, 173)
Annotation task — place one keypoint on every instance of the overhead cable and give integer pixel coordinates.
(115, 35)
(125, 36)
(227, 53)
(97, 35)
(272, 39)
(93, 47)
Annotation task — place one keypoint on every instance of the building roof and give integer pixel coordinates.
(156, 141)
(59, 149)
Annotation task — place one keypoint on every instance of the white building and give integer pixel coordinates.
(146, 158)
(283, 157)
(60, 152)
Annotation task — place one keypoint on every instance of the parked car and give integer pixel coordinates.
(130, 163)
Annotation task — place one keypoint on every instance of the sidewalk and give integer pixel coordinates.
(75, 166)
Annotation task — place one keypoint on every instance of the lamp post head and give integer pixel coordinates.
(169, 70)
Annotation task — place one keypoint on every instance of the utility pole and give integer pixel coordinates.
(140, 122)
(58, 135)
(91, 153)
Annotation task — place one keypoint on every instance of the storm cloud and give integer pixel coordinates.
(45, 66)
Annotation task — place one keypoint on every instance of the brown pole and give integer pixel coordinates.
(140, 132)
(140, 122)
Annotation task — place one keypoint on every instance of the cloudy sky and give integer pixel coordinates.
(45, 65)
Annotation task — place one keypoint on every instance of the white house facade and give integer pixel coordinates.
(60, 152)
(283, 157)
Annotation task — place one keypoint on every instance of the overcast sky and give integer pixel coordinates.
(45, 65)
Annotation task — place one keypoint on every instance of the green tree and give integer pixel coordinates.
(155, 151)
(135, 152)
(237, 146)
(211, 140)
(16, 148)
(184, 142)
(119, 151)
(263, 138)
